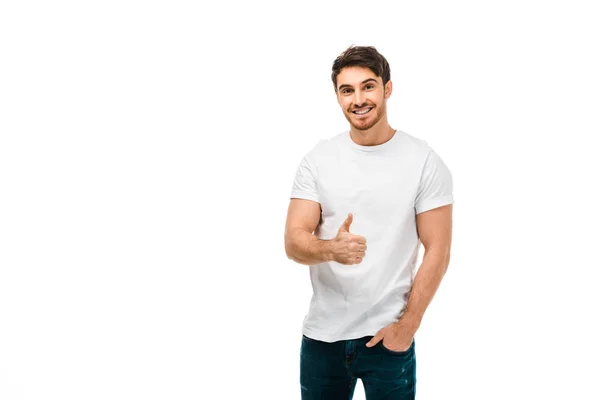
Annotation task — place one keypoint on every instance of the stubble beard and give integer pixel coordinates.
(378, 115)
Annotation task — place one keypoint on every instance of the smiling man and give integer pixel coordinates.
(361, 204)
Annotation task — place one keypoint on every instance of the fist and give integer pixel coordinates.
(348, 248)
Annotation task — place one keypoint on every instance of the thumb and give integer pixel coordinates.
(346, 225)
(375, 339)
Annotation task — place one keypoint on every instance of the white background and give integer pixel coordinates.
(147, 153)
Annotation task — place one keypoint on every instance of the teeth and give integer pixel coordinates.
(362, 112)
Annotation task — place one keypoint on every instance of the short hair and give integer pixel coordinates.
(361, 56)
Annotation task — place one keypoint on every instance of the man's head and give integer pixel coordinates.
(361, 78)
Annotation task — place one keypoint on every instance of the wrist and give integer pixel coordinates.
(410, 322)
(327, 250)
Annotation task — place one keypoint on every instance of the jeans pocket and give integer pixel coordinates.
(397, 353)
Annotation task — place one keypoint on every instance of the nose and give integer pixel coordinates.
(358, 98)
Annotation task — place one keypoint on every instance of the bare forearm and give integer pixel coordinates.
(306, 248)
(426, 283)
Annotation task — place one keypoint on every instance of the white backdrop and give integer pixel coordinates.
(147, 152)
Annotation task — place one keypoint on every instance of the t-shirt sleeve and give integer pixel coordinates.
(305, 184)
(435, 188)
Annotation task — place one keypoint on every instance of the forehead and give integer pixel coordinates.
(355, 75)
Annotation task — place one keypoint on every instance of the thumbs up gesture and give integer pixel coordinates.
(348, 248)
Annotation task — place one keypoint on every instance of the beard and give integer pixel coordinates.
(367, 123)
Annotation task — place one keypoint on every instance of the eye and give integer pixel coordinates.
(369, 86)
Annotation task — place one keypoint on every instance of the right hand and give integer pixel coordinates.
(348, 248)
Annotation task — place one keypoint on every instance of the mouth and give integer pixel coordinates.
(362, 111)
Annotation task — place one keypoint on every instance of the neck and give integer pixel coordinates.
(378, 134)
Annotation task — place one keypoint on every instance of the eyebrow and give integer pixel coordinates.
(362, 83)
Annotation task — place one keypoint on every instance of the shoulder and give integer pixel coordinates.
(324, 148)
(416, 150)
(415, 144)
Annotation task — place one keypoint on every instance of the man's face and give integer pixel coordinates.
(362, 96)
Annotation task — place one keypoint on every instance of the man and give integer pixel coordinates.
(361, 203)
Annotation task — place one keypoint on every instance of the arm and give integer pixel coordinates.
(435, 231)
(301, 245)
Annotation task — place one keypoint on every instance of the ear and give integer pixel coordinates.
(388, 89)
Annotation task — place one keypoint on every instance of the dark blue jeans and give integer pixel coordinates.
(328, 371)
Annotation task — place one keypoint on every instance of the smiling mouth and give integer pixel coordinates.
(363, 111)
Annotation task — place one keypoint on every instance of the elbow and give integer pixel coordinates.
(288, 245)
(440, 257)
(288, 253)
(446, 262)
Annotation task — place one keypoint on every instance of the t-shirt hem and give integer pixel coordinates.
(301, 195)
(434, 203)
(324, 337)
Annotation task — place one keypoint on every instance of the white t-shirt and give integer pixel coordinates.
(384, 187)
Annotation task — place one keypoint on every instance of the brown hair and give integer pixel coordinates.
(361, 56)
